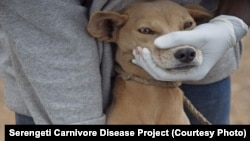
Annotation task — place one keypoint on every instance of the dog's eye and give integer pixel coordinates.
(187, 25)
(146, 30)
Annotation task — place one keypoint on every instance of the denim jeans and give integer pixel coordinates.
(23, 120)
(212, 100)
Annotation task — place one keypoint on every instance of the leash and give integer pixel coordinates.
(195, 112)
(186, 101)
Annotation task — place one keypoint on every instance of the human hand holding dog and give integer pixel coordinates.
(213, 39)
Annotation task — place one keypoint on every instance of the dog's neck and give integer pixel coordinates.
(145, 81)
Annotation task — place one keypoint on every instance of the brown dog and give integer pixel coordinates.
(138, 99)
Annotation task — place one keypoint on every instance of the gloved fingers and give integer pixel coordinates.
(138, 60)
(144, 59)
(148, 57)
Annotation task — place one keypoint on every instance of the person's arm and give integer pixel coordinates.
(56, 62)
(238, 8)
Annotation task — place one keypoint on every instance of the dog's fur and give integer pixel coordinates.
(139, 24)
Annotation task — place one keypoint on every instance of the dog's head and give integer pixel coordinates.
(140, 23)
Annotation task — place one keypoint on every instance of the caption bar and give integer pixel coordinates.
(210, 132)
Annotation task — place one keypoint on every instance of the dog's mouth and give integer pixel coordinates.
(186, 67)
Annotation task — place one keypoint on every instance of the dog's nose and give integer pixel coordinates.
(185, 55)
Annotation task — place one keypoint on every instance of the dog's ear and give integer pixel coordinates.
(199, 13)
(105, 25)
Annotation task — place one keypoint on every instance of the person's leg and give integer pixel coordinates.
(212, 100)
(23, 120)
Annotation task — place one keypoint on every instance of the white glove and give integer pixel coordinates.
(213, 39)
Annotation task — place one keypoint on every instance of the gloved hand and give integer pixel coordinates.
(213, 39)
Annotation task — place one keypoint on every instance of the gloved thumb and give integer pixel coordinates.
(174, 39)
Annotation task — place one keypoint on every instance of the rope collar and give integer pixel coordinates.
(127, 76)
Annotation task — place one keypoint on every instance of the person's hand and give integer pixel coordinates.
(213, 39)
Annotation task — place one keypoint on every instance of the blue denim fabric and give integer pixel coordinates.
(23, 120)
(212, 100)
